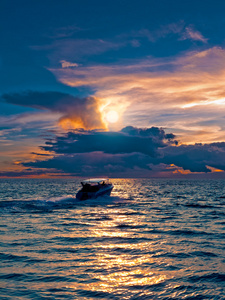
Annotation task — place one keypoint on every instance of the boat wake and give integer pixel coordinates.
(56, 203)
(65, 198)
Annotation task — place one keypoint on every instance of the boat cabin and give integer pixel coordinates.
(93, 185)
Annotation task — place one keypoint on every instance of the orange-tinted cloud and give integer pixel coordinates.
(185, 94)
(191, 33)
(72, 112)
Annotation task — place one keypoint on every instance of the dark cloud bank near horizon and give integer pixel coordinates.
(132, 151)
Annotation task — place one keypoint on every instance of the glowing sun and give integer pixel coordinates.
(112, 116)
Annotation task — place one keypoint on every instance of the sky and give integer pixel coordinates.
(112, 88)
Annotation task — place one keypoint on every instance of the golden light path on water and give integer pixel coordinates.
(129, 271)
(126, 270)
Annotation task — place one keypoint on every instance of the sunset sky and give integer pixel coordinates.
(112, 88)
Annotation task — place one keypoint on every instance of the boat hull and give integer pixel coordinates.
(106, 191)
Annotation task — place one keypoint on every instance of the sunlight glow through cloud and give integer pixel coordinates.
(112, 116)
(156, 97)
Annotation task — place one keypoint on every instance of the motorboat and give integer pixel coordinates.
(94, 187)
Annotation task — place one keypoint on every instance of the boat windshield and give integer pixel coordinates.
(95, 181)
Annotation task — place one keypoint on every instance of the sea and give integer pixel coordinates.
(151, 239)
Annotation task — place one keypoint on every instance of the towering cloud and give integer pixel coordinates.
(75, 112)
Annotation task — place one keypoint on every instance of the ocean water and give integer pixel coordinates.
(151, 239)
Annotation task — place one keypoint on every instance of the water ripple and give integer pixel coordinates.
(152, 239)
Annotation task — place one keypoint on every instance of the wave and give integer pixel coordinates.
(62, 202)
(214, 277)
(13, 258)
(196, 205)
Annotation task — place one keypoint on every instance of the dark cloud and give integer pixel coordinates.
(128, 140)
(196, 157)
(130, 152)
(94, 164)
(76, 112)
(94, 153)
(154, 132)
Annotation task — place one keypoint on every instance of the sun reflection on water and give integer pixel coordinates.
(117, 261)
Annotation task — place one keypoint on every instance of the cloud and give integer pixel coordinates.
(67, 64)
(162, 92)
(65, 47)
(176, 29)
(98, 153)
(162, 32)
(94, 164)
(74, 112)
(196, 158)
(136, 152)
(77, 49)
(64, 32)
(128, 140)
(43, 119)
(192, 34)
